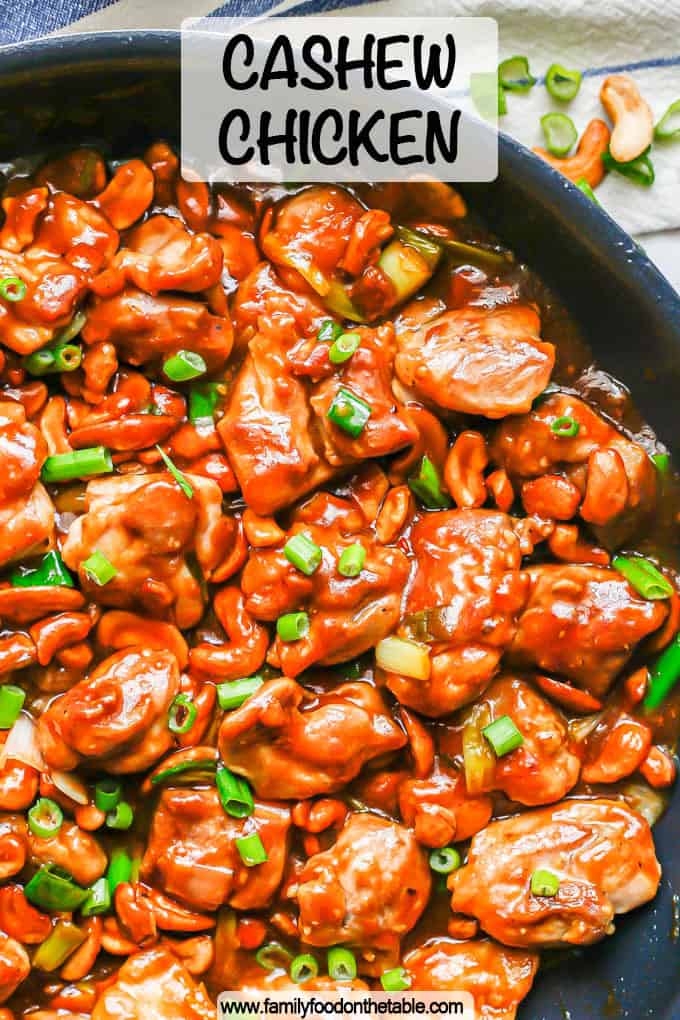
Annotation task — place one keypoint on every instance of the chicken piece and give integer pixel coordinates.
(117, 717)
(613, 474)
(73, 850)
(262, 294)
(15, 966)
(78, 232)
(439, 809)
(468, 571)
(192, 852)
(601, 851)
(584, 623)
(292, 744)
(490, 363)
(348, 615)
(26, 511)
(146, 526)
(498, 978)
(372, 884)
(153, 985)
(145, 328)
(13, 844)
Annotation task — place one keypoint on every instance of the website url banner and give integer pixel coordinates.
(345, 1003)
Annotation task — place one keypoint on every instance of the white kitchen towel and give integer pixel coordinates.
(599, 37)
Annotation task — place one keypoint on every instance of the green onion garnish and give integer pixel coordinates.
(515, 76)
(98, 900)
(352, 560)
(663, 675)
(349, 412)
(445, 860)
(643, 576)
(121, 818)
(303, 553)
(203, 399)
(50, 360)
(51, 572)
(662, 462)
(182, 714)
(560, 133)
(565, 427)
(273, 956)
(503, 735)
(427, 486)
(45, 818)
(292, 626)
(64, 467)
(342, 964)
(639, 171)
(98, 569)
(395, 980)
(561, 83)
(54, 889)
(232, 693)
(251, 850)
(119, 870)
(107, 794)
(176, 474)
(12, 288)
(12, 700)
(669, 126)
(544, 883)
(582, 185)
(184, 365)
(343, 348)
(303, 968)
(329, 331)
(61, 943)
(236, 796)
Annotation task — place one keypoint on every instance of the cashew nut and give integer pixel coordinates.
(632, 117)
(586, 162)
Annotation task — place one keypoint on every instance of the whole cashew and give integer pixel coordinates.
(633, 119)
(586, 162)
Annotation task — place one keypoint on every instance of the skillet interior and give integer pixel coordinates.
(123, 88)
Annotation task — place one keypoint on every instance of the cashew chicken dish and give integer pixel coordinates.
(339, 615)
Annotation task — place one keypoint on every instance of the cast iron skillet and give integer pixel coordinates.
(124, 87)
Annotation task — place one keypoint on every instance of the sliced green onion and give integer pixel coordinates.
(349, 412)
(329, 331)
(64, 467)
(292, 626)
(662, 462)
(12, 700)
(544, 883)
(445, 860)
(303, 553)
(121, 818)
(98, 569)
(582, 185)
(107, 794)
(561, 83)
(12, 288)
(487, 95)
(51, 572)
(565, 427)
(343, 348)
(251, 850)
(515, 76)
(203, 399)
(503, 735)
(184, 365)
(40, 362)
(176, 474)
(478, 759)
(203, 767)
(639, 171)
(235, 794)
(233, 693)
(669, 126)
(644, 577)
(303, 968)
(342, 964)
(45, 818)
(119, 870)
(54, 889)
(395, 980)
(273, 956)
(61, 943)
(98, 900)
(409, 262)
(182, 714)
(664, 675)
(352, 560)
(427, 486)
(65, 335)
(560, 133)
